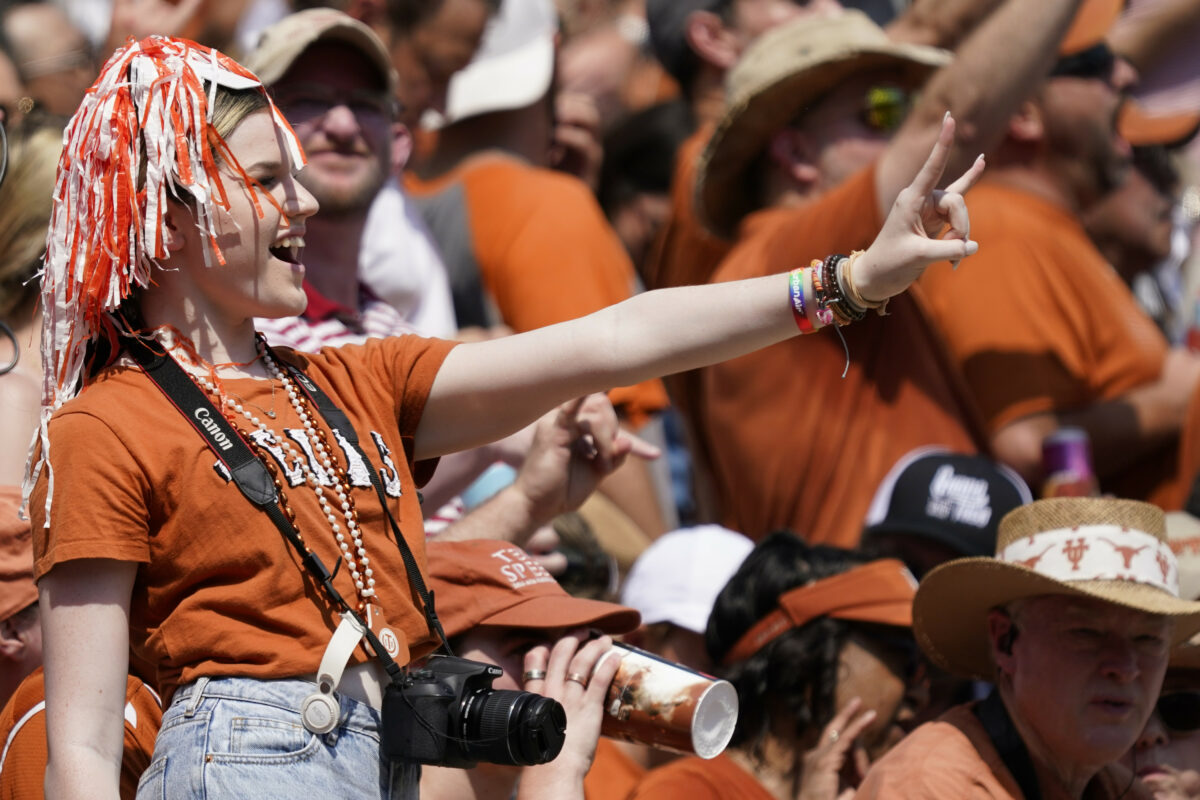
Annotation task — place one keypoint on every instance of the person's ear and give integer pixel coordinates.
(708, 37)
(1002, 632)
(1027, 123)
(176, 215)
(790, 153)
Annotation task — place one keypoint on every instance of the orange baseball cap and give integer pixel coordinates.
(490, 583)
(17, 589)
(1093, 21)
(1140, 127)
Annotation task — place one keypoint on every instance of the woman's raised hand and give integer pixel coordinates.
(823, 765)
(926, 224)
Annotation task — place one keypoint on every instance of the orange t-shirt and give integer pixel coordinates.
(793, 443)
(685, 253)
(23, 738)
(543, 249)
(953, 758)
(694, 778)
(1038, 321)
(219, 592)
(613, 773)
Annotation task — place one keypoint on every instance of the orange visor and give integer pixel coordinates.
(880, 592)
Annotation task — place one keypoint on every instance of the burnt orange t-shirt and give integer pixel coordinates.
(793, 443)
(953, 758)
(1039, 322)
(219, 592)
(23, 738)
(685, 253)
(613, 773)
(694, 778)
(543, 249)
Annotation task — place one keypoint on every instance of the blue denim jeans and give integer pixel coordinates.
(243, 738)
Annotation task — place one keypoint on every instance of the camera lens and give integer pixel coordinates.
(507, 727)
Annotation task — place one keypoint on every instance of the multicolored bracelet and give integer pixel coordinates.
(796, 283)
(813, 307)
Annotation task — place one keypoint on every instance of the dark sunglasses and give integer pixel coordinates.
(314, 100)
(1096, 62)
(1180, 711)
(885, 108)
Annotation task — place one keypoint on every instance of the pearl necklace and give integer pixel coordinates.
(354, 552)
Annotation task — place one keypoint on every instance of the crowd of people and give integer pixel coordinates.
(343, 341)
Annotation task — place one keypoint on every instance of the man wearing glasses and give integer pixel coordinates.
(1045, 331)
(1167, 754)
(811, 152)
(333, 80)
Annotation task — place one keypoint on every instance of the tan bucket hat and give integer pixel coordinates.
(780, 74)
(1100, 548)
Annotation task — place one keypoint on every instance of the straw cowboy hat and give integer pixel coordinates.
(782, 73)
(1104, 549)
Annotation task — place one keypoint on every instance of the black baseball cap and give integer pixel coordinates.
(954, 499)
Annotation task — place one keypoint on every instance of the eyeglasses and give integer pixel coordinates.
(57, 64)
(1180, 711)
(308, 101)
(1096, 62)
(885, 108)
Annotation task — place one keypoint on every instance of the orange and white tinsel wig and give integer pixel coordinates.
(146, 120)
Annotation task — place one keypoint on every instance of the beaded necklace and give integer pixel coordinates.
(326, 471)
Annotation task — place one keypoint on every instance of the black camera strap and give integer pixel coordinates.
(337, 420)
(1008, 744)
(255, 482)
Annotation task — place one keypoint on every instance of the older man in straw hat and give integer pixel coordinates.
(1074, 620)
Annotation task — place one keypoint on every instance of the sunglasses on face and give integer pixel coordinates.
(1180, 711)
(1096, 62)
(308, 101)
(885, 108)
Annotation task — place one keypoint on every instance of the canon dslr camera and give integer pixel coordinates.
(447, 714)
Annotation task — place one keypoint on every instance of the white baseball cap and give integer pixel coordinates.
(513, 66)
(678, 577)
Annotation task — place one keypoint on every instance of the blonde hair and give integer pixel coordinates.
(25, 204)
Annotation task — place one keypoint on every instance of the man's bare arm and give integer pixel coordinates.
(1122, 430)
(940, 23)
(1153, 31)
(992, 74)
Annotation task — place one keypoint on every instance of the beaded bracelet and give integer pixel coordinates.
(838, 301)
(823, 294)
(820, 298)
(817, 315)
